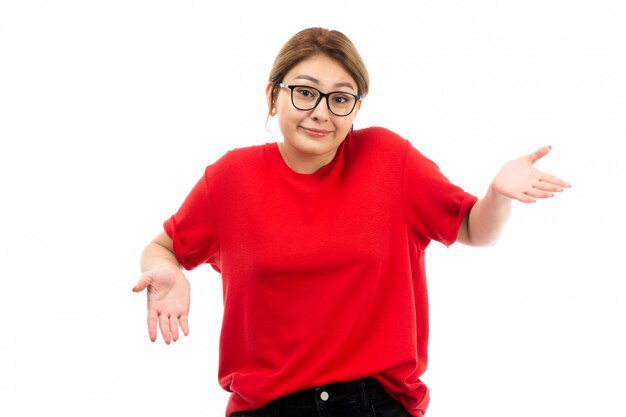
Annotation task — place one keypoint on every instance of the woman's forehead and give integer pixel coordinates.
(323, 71)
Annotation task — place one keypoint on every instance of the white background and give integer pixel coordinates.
(110, 110)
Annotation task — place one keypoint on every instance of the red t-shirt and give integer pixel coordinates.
(323, 274)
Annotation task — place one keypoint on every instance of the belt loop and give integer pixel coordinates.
(365, 403)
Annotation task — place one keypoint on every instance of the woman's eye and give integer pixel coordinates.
(340, 99)
(305, 92)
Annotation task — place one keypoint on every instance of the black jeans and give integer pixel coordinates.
(360, 398)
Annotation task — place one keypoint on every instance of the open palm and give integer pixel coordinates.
(520, 180)
(168, 302)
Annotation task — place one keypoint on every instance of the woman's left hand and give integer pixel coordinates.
(520, 180)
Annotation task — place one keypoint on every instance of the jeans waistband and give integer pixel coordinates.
(357, 391)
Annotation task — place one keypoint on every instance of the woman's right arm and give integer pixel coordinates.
(167, 289)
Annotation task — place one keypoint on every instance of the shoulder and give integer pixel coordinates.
(238, 163)
(379, 139)
(384, 144)
(247, 154)
(379, 136)
(242, 157)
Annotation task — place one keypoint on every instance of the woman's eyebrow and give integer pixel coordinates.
(316, 81)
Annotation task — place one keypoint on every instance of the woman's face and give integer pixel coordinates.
(311, 137)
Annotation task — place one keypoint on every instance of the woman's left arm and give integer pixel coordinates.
(517, 180)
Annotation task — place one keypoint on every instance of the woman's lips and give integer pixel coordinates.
(318, 133)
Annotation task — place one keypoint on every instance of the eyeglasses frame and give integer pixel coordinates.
(321, 96)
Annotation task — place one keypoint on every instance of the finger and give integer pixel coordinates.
(165, 328)
(554, 180)
(184, 325)
(152, 324)
(523, 197)
(536, 193)
(548, 187)
(538, 154)
(174, 328)
(143, 283)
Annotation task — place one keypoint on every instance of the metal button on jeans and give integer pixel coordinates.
(324, 396)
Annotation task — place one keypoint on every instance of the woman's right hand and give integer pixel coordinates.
(168, 301)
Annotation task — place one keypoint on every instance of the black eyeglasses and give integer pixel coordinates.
(304, 97)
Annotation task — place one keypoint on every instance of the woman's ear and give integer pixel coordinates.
(358, 106)
(355, 112)
(269, 94)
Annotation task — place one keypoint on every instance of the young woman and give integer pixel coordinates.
(320, 242)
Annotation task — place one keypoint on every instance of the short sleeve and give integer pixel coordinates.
(434, 207)
(193, 228)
